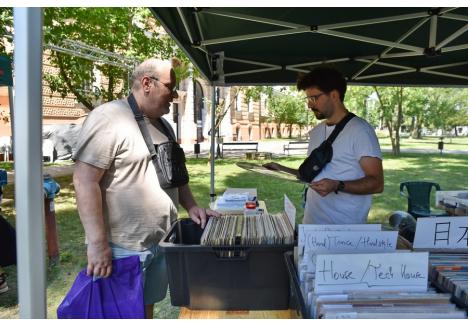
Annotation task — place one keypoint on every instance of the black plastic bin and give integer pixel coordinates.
(297, 301)
(199, 278)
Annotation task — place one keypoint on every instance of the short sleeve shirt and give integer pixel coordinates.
(136, 210)
(356, 140)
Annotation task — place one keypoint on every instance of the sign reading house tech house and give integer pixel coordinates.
(382, 271)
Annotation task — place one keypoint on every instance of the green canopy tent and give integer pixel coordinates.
(370, 46)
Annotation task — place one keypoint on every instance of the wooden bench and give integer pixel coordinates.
(239, 146)
(295, 145)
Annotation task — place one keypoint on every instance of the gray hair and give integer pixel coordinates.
(149, 67)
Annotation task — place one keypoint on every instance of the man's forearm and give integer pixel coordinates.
(186, 197)
(364, 186)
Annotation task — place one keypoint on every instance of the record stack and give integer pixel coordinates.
(260, 229)
(449, 273)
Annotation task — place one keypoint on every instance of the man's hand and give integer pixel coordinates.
(324, 187)
(199, 215)
(99, 260)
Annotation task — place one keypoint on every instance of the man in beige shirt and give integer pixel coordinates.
(122, 207)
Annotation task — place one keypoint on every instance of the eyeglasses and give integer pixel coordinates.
(173, 89)
(313, 98)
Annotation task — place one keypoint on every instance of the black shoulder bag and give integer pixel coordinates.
(168, 157)
(322, 155)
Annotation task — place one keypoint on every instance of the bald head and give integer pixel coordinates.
(150, 67)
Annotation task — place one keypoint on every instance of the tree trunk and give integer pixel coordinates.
(396, 150)
(290, 130)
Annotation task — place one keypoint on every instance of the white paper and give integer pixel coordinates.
(383, 271)
(441, 233)
(290, 211)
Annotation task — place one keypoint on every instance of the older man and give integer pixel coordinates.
(122, 207)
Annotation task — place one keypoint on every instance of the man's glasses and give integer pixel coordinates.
(173, 89)
(313, 98)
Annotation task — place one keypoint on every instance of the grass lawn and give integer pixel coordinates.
(450, 171)
(427, 142)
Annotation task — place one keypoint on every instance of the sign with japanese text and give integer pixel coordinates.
(441, 233)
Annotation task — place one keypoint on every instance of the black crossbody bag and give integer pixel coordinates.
(168, 157)
(322, 155)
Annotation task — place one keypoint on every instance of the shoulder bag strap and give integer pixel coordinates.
(143, 129)
(339, 126)
(166, 129)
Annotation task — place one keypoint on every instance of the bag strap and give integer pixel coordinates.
(339, 126)
(168, 132)
(140, 119)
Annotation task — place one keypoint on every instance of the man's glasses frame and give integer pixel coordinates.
(173, 89)
(313, 98)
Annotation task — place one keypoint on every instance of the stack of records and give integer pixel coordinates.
(449, 273)
(372, 305)
(261, 229)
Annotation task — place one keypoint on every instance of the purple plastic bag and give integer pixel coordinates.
(117, 296)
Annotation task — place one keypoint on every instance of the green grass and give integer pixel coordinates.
(450, 171)
(9, 166)
(427, 142)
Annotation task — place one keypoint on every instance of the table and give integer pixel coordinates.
(186, 313)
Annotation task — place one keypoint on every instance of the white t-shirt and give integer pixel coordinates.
(356, 140)
(136, 210)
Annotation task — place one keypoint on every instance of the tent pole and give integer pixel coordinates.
(212, 143)
(29, 199)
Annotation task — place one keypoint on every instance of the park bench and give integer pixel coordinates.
(295, 145)
(238, 146)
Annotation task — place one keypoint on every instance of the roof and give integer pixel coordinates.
(370, 46)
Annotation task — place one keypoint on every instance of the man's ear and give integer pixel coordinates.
(335, 95)
(146, 83)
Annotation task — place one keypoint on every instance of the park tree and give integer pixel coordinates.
(285, 108)
(125, 36)
(417, 109)
(391, 104)
(6, 23)
(127, 32)
(357, 100)
(447, 108)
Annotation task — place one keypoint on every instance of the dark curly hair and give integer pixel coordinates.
(324, 78)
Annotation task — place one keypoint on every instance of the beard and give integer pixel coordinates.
(318, 115)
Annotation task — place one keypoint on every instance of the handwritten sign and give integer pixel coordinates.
(350, 241)
(306, 228)
(290, 211)
(346, 242)
(441, 233)
(383, 271)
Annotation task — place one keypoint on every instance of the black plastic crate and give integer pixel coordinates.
(297, 301)
(255, 278)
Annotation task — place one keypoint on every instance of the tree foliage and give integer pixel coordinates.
(288, 107)
(130, 33)
(127, 32)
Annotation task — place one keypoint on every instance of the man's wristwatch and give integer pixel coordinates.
(340, 187)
